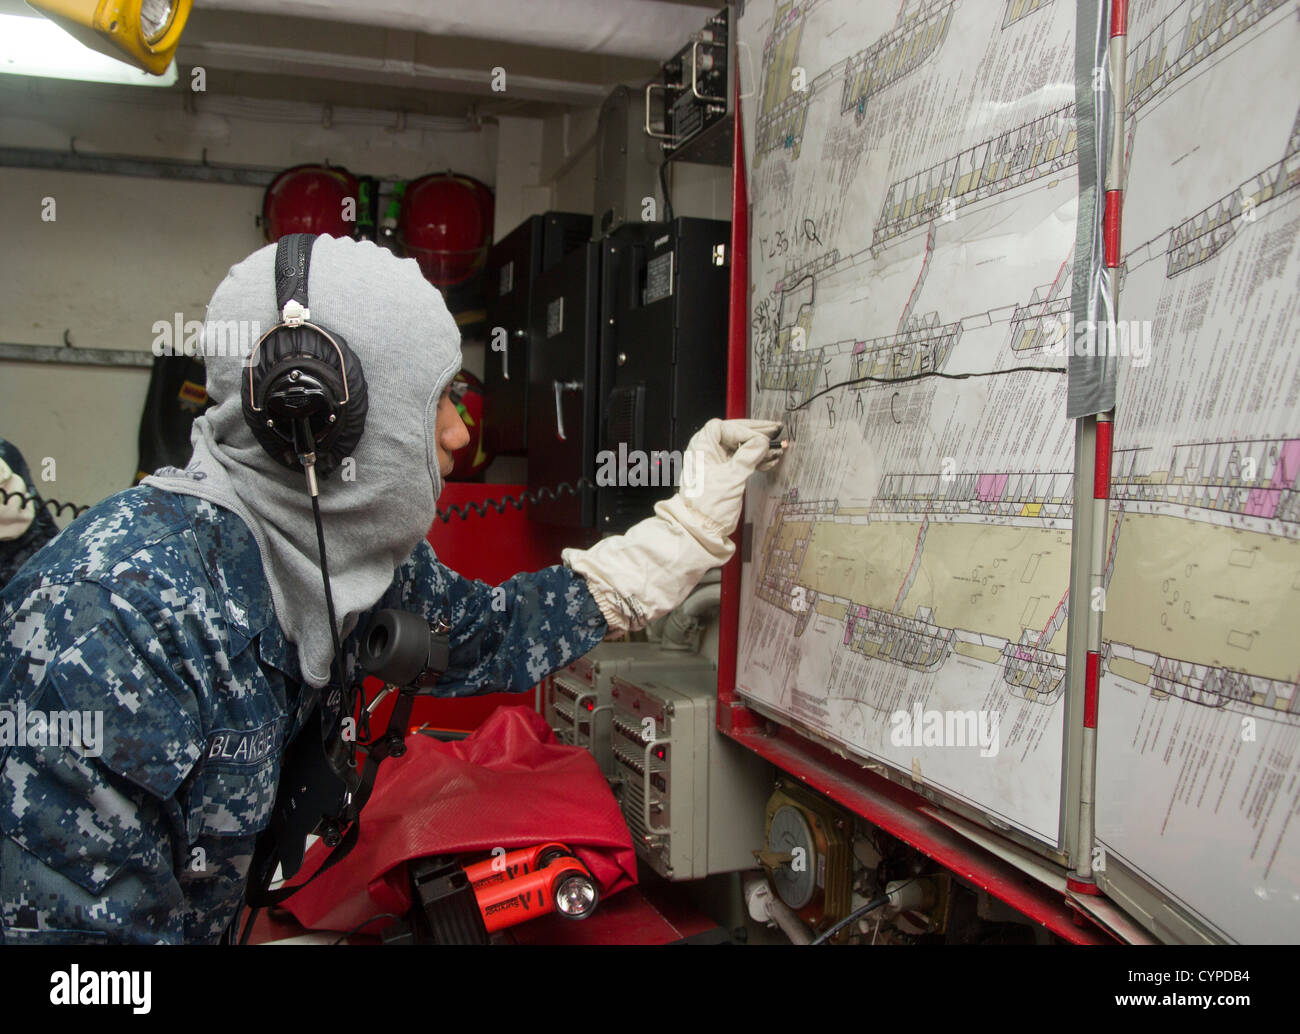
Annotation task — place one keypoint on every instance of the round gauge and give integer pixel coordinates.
(795, 881)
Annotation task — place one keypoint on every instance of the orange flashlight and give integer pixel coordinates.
(564, 886)
(507, 866)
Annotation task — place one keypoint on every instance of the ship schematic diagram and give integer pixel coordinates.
(967, 565)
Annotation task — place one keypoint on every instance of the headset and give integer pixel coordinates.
(305, 396)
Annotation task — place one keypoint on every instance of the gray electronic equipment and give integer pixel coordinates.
(694, 800)
(576, 700)
(627, 165)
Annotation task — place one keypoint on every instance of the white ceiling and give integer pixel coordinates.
(623, 28)
(429, 57)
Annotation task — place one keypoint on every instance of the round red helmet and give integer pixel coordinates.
(446, 226)
(310, 199)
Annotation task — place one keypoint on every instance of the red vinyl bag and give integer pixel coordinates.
(510, 784)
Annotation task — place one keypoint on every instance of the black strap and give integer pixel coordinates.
(265, 858)
(391, 744)
(261, 897)
(292, 260)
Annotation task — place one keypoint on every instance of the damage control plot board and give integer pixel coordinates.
(1198, 763)
(912, 174)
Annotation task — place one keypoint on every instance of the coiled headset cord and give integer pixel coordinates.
(57, 506)
(546, 493)
(499, 505)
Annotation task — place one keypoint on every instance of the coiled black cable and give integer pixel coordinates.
(499, 505)
(546, 493)
(27, 500)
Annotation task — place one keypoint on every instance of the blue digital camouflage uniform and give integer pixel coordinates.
(154, 609)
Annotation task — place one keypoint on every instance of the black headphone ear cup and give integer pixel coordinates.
(312, 351)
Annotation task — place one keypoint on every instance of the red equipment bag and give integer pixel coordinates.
(510, 784)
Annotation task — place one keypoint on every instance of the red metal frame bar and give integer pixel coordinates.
(732, 714)
(888, 805)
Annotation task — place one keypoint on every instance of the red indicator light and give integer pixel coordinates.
(659, 753)
(591, 705)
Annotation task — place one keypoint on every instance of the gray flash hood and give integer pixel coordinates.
(376, 509)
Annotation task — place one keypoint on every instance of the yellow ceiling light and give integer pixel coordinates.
(142, 32)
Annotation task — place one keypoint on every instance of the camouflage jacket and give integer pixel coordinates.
(151, 615)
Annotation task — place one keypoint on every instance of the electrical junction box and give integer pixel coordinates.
(576, 701)
(693, 800)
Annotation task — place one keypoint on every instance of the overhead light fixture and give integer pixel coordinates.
(34, 46)
(142, 33)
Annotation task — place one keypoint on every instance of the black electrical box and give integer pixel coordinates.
(515, 262)
(563, 387)
(663, 349)
(698, 114)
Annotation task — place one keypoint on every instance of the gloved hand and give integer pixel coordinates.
(15, 516)
(646, 572)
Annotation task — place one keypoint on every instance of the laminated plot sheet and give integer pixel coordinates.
(1198, 761)
(913, 178)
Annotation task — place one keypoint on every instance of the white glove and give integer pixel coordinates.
(647, 571)
(15, 516)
